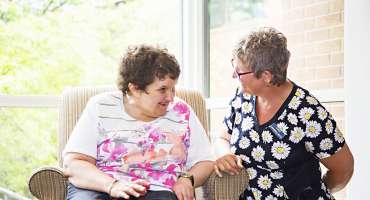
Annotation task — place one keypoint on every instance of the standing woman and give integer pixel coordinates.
(277, 130)
(141, 142)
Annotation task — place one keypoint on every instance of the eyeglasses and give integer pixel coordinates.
(238, 73)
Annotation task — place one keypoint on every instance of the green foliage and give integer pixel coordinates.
(78, 43)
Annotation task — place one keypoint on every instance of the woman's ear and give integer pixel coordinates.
(267, 77)
(132, 89)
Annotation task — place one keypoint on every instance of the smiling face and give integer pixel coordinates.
(152, 102)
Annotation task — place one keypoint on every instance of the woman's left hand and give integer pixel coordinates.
(183, 189)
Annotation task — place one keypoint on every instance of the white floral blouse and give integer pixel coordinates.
(282, 155)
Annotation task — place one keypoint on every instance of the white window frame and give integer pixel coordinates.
(194, 61)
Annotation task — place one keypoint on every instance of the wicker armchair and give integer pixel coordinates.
(49, 183)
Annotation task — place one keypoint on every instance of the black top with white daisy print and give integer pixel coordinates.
(282, 155)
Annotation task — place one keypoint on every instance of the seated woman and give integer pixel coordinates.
(140, 142)
(277, 130)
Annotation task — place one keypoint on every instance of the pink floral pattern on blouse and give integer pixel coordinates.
(155, 151)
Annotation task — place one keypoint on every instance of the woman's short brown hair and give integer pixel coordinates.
(142, 64)
(265, 50)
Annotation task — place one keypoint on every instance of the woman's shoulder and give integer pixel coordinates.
(179, 105)
(107, 98)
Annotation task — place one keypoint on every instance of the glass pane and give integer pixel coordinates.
(230, 20)
(28, 140)
(45, 47)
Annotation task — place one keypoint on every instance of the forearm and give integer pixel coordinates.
(201, 171)
(336, 181)
(86, 175)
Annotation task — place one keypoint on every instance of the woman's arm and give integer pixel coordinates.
(340, 169)
(226, 161)
(201, 171)
(83, 173)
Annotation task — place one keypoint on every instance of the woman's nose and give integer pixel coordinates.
(170, 96)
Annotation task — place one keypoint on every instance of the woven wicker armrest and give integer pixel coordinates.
(227, 187)
(48, 183)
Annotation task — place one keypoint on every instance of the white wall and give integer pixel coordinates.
(357, 93)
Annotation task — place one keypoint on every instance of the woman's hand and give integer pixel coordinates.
(183, 189)
(124, 190)
(229, 163)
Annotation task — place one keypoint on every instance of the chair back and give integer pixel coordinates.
(73, 101)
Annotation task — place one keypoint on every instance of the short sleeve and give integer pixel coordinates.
(200, 146)
(84, 136)
(322, 136)
(229, 118)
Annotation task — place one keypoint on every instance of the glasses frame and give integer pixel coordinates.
(238, 73)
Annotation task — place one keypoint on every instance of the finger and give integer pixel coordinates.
(138, 188)
(124, 195)
(225, 166)
(239, 162)
(179, 195)
(142, 182)
(132, 192)
(219, 174)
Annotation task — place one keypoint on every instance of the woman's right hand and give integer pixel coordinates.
(229, 163)
(124, 190)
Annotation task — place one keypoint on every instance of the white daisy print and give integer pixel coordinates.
(338, 136)
(282, 115)
(244, 142)
(255, 137)
(246, 107)
(276, 175)
(294, 103)
(256, 193)
(309, 146)
(320, 198)
(270, 197)
(245, 158)
(228, 114)
(292, 118)
(305, 114)
(329, 126)
(236, 103)
(258, 154)
(272, 164)
(322, 113)
(280, 150)
(299, 93)
(311, 100)
(247, 123)
(266, 136)
(322, 155)
(264, 182)
(296, 135)
(313, 129)
(246, 96)
(282, 127)
(233, 149)
(326, 144)
(279, 191)
(252, 173)
(234, 136)
(238, 118)
(229, 125)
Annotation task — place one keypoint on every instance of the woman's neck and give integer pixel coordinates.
(274, 95)
(134, 110)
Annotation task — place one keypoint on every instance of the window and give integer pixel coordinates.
(46, 46)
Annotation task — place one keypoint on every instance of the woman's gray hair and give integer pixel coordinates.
(265, 50)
